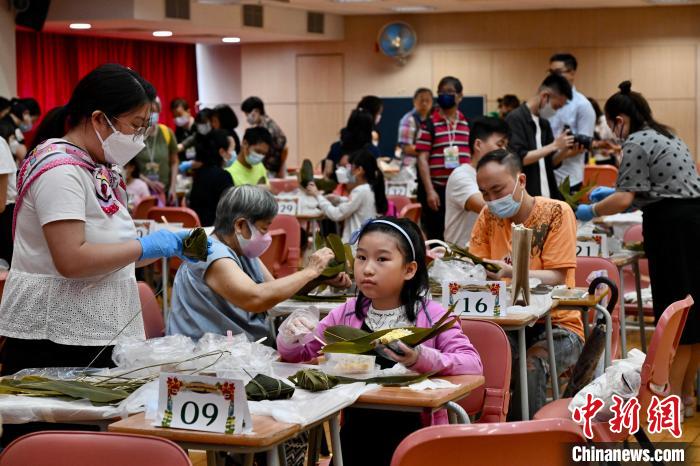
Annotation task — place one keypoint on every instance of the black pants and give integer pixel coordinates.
(433, 220)
(18, 354)
(6, 243)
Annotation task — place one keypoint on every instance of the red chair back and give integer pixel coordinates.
(275, 255)
(494, 444)
(584, 267)
(491, 399)
(145, 204)
(411, 212)
(601, 175)
(153, 321)
(399, 201)
(70, 448)
(291, 227)
(283, 185)
(184, 215)
(656, 369)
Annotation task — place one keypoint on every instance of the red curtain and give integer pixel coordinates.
(50, 65)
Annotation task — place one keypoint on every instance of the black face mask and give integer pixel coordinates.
(446, 101)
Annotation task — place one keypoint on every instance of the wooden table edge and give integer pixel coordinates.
(285, 432)
(382, 395)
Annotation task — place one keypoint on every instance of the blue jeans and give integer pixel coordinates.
(567, 349)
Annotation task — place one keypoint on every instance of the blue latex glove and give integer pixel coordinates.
(185, 166)
(600, 193)
(164, 243)
(584, 212)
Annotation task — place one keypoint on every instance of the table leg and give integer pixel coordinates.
(314, 446)
(282, 452)
(552, 356)
(623, 315)
(273, 458)
(164, 277)
(522, 361)
(456, 411)
(214, 458)
(640, 307)
(608, 334)
(335, 440)
(584, 316)
(248, 459)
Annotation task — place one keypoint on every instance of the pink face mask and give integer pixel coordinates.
(256, 245)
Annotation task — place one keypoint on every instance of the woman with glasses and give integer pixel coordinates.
(71, 291)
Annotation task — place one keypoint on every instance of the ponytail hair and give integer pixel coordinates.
(110, 88)
(375, 178)
(635, 106)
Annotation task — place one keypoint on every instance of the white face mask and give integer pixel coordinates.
(342, 174)
(203, 128)
(232, 158)
(254, 158)
(118, 147)
(547, 111)
(252, 119)
(182, 120)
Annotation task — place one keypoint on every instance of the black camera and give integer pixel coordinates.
(582, 139)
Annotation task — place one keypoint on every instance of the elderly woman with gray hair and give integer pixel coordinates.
(232, 289)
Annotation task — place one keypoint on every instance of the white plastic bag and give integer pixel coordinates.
(621, 378)
(300, 324)
(455, 270)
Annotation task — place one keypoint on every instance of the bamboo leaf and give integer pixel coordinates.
(336, 244)
(306, 173)
(194, 245)
(263, 387)
(319, 241)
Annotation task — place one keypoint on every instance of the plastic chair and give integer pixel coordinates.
(491, 399)
(584, 267)
(274, 256)
(601, 175)
(71, 448)
(184, 215)
(145, 204)
(655, 374)
(399, 201)
(412, 212)
(153, 321)
(290, 225)
(283, 185)
(506, 443)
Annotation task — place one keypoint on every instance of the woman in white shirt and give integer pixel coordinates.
(8, 190)
(71, 289)
(367, 194)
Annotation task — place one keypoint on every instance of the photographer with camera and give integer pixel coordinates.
(577, 116)
(532, 139)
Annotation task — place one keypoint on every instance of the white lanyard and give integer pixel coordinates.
(451, 131)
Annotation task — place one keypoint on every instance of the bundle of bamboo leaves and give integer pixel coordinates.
(315, 381)
(263, 387)
(306, 176)
(342, 262)
(576, 198)
(344, 339)
(195, 245)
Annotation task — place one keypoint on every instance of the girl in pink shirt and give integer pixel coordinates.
(392, 282)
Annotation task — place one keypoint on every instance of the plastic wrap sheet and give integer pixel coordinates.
(622, 378)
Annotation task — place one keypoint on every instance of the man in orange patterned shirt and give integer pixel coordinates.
(552, 260)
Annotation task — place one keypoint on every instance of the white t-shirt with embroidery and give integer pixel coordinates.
(389, 318)
(38, 302)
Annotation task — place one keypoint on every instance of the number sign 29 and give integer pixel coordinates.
(203, 403)
(287, 206)
(475, 298)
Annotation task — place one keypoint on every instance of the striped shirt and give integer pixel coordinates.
(440, 137)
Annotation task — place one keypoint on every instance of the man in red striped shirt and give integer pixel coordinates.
(442, 146)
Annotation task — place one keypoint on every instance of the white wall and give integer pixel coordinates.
(8, 64)
(219, 74)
